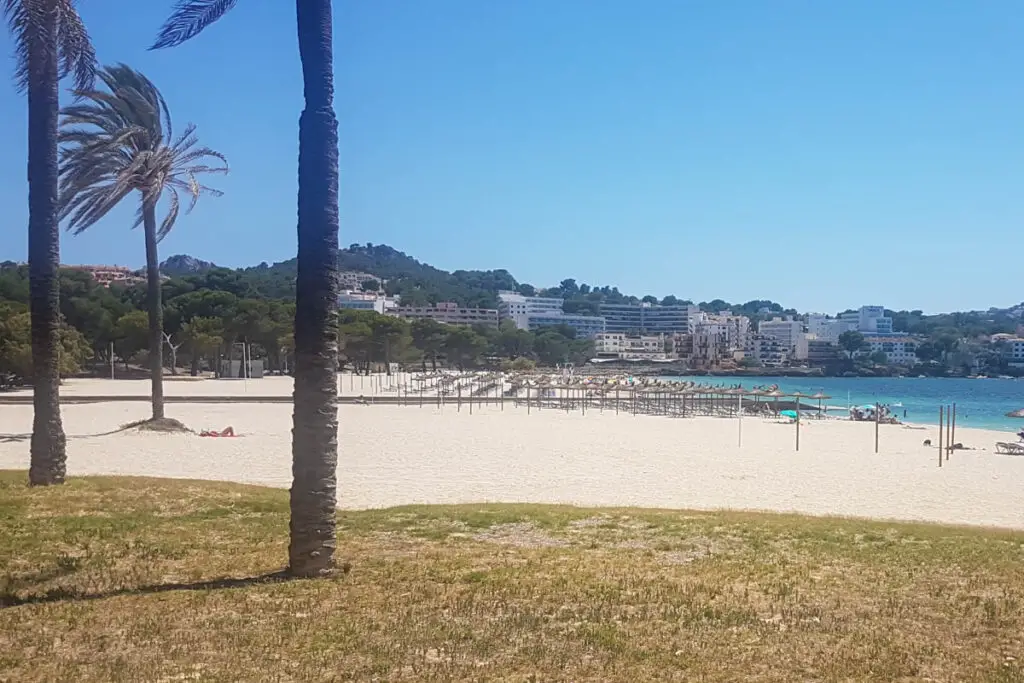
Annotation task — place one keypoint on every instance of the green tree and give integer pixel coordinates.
(118, 141)
(202, 337)
(391, 338)
(430, 337)
(465, 347)
(851, 342)
(50, 41)
(131, 335)
(512, 342)
(879, 358)
(315, 433)
(16, 346)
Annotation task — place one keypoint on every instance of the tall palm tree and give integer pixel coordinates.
(118, 141)
(315, 420)
(50, 42)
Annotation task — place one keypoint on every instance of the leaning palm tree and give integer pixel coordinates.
(315, 432)
(119, 141)
(50, 42)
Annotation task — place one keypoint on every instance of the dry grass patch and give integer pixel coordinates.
(117, 579)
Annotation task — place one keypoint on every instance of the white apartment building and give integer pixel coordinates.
(367, 302)
(648, 318)
(734, 329)
(630, 347)
(450, 313)
(518, 307)
(787, 330)
(1015, 351)
(897, 350)
(533, 312)
(868, 320)
(769, 351)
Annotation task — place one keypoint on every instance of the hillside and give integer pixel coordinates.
(182, 264)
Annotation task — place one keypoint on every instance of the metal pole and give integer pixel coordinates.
(941, 420)
(798, 428)
(111, 360)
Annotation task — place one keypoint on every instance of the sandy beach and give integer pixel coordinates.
(394, 455)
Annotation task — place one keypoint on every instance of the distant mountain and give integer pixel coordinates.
(182, 264)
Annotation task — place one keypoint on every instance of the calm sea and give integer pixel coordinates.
(981, 403)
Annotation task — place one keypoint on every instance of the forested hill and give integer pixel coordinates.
(419, 283)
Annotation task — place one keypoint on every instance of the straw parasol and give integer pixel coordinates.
(820, 397)
(776, 394)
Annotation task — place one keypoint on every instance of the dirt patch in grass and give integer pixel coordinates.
(108, 579)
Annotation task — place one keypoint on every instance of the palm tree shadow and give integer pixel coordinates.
(14, 438)
(65, 595)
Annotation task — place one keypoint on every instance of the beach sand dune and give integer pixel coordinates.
(393, 455)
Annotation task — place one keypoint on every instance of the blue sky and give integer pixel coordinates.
(820, 154)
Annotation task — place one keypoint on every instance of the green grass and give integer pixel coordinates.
(126, 579)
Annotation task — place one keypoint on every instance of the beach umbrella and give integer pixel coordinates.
(776, 394)
(820, 397)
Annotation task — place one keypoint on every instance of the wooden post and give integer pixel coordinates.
(616, 399)
(949, 431)
(877, 419)
(798, 428)
(952, 433)
(941, 421)
(527, 399)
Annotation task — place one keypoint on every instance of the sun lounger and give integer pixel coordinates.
(1009, 448)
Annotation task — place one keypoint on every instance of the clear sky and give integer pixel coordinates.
(821, 154)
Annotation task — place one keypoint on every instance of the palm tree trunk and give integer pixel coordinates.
(315, 434)
(48, 455)
(156, 312)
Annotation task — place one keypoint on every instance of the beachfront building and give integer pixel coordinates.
(533, 312)
(897, 350)
(710, 346)
(648, 318)
(787, 331)
(734, 329)
(366, 301)
(450, 313)
(768, 350)
(868, 320)
(108, 275)
(820, 351)
(1013, 351)
(630, 347)
(585, 326)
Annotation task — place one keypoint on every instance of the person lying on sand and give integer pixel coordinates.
(227, 431)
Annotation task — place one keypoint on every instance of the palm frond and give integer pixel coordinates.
(77, 55)
(28, 24)
(117, 140)
(188, 19)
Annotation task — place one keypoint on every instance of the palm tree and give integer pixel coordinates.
(50, 42)
(118, 141)
(315, 432)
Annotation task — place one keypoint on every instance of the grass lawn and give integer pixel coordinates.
(123, 579)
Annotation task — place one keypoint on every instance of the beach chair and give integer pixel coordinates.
(1009, 448)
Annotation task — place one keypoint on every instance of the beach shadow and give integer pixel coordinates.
(64, 595)
(14, 438)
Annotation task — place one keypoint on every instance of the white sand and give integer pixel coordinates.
(392, 455)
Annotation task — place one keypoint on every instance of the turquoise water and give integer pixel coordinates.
(981, 403)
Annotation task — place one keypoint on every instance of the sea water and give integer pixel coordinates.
(980, 403)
